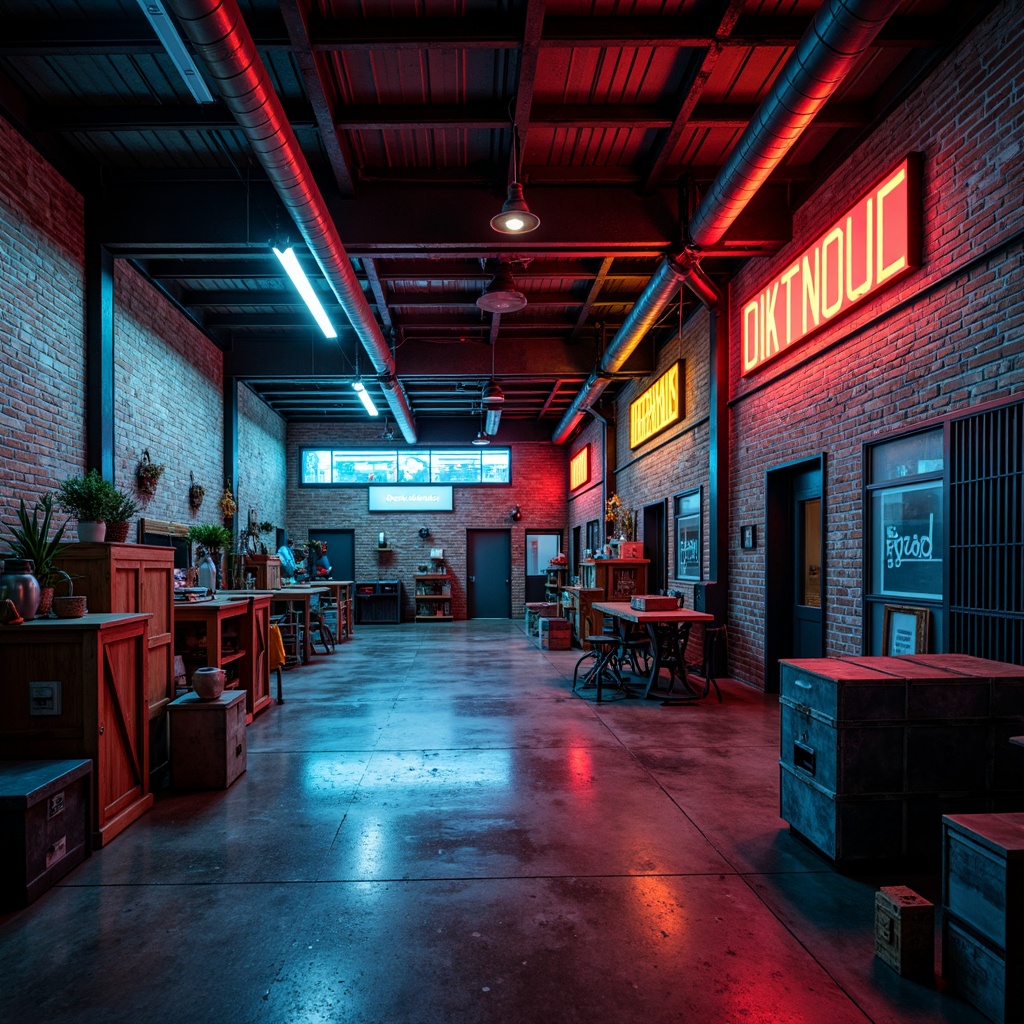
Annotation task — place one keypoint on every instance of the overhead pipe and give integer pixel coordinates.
(837, 37)
(223, 42)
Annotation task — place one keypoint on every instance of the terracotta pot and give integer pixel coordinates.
(117, 533)
(69, 606)
(45, 602)
(208, 682)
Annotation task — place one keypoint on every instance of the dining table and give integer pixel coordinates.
(662, 628)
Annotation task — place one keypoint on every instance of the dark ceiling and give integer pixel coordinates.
(404, 111)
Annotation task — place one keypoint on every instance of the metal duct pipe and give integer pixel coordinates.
(837, 37)
(223, 42)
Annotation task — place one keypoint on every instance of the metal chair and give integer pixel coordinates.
(602, 653)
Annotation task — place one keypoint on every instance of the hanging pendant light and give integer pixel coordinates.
(515, 217)
(501, 294)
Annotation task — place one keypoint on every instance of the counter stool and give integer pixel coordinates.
(320, 631)
(603, 651)
(713, 635)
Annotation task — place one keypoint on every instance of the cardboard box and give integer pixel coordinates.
(905, 931)
(653, 602)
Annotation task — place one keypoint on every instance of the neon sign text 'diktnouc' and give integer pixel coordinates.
(873, 244)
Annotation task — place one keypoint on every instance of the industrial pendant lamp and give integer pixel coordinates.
(515, 217)
(481, 438)
(492, 398)
(501, 295)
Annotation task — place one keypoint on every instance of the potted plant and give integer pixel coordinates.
(90, 499)
(122, 511)
(196, 493)
(31, 539)
(211, 536)
(147, 475)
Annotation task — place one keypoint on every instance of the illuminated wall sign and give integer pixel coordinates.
(658, 407)
(873, 244)
(410, 499)
(579, 468)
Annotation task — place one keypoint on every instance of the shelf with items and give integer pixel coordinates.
(555, 581)
(618, 578)
(379, 601)
(433, 597)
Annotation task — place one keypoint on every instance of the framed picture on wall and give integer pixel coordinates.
(904, 630)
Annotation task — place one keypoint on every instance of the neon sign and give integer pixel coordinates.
(876, 242)
(657, 408)
(579, 468)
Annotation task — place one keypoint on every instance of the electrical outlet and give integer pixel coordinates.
(44, 698)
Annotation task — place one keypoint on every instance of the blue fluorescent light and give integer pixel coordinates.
(364, 397)
(175, 49)
(305, 289)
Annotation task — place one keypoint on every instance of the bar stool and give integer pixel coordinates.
(320, 631)
(713, 635)
(603, 650)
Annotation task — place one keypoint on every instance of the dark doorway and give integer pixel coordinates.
(576, 554)
(541, 547)
(794, 566)
(341, 551)
(488, 574)
(656, 546)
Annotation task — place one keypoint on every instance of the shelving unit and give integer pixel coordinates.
(378, 602)
(555, 582)
(433, 597)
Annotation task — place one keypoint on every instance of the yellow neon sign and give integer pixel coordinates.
(657, 408)
(579, 468)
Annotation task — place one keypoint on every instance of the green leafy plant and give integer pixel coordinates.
(32, 539)
(147, 475)
(211, 536)
(89, 498)
(123, 509)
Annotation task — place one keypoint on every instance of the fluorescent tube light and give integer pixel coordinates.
(305, 289)
(364, 397)
(175, 49)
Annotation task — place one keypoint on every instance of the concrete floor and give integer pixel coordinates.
(432, 828)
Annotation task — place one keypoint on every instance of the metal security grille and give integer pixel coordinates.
(986, 531)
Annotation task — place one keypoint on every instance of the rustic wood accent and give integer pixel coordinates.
(100, 662)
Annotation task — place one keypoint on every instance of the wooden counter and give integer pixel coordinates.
(77, 688)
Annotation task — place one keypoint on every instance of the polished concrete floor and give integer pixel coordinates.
(432, 828)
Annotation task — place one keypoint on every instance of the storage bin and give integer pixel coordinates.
(44, 825)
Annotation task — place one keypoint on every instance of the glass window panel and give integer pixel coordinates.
(907, 539)
(316, 467)
(456, 466)
(689, 544)
(810, 569)
(496, 466)
(914, 455)
(365, 467)
(414, 467)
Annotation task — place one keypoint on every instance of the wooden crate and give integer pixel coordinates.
(653, 602)
(44, 825)
(208, 747)
(905, 931)
(982, 928)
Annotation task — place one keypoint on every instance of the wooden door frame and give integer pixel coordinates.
(778, 561)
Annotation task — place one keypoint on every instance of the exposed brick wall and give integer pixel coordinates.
(944, 338)
(167, 399)
(261, 455)
(539, 473)
(587, 502)
(42, 327)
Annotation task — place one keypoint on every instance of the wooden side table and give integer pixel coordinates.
(208, 748)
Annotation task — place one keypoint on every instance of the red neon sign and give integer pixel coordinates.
(579, 468)
(876, 242)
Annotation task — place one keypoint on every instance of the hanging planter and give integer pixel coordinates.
(196, 493)
(226, 504)
(147, 475)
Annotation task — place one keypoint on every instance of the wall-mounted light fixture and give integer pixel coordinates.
(294, 270)
(514, 514)
(424, 532)
(515, 217)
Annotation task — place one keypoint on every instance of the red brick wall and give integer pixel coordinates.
(539, 473)
(263, 479)
(167, 398)
(947, 337)
(42, 327)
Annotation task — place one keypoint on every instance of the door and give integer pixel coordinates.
(794, 566)
(341, 551)
(655, 547)
(488, 574)
(540, 549)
